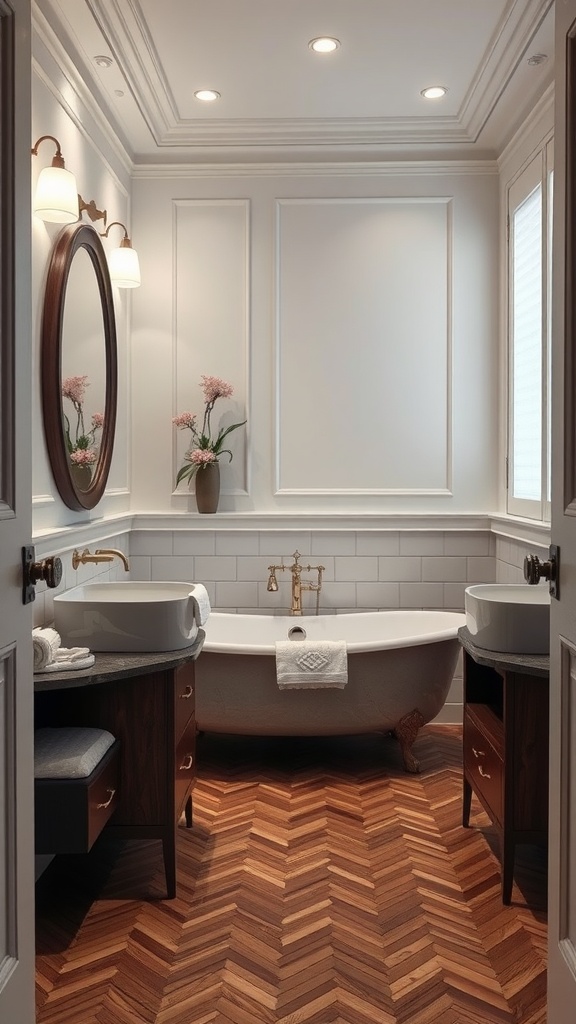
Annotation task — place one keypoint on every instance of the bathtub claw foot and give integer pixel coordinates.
(406, 732)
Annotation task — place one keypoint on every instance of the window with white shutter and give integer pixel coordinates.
(529, 220)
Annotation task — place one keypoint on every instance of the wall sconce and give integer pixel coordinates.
(92, 210)
(123, 262)
(56, 197)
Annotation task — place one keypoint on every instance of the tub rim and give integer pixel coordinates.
(454, 620)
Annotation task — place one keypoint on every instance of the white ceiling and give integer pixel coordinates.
(279, 100)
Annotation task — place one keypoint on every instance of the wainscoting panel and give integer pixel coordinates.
(211, 312)
(363, 346)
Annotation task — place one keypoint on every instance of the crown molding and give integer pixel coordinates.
(506, 50)
(542, 111)
(377, 168)
(122, 23)
(47, 44)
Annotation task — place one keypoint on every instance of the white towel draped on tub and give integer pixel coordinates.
(311, 664)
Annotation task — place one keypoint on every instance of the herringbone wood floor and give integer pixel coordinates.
(319, 885)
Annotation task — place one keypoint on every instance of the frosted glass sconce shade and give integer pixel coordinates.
(123, 262)
(56, 197)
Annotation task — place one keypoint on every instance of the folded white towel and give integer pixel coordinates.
(45, 643)
(201, 603)
(311, 664)
(69, 664)
(72, 653)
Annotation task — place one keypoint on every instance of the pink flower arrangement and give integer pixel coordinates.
(205, 450)
(82, 447)
(83, 457)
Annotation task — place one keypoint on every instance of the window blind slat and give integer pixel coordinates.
(527, 348)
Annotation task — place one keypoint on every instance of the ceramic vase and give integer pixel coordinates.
(207, 487)
(81, 476)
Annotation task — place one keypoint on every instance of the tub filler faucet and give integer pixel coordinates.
(298, 587)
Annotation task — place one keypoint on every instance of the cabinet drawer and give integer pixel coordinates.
(184, 765)
(183, 699)
(71, 813)
(484, 768)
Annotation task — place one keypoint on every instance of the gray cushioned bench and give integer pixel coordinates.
(76, 771)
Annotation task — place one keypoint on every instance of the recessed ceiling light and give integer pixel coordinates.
(324, 44)
(434, 92)
(208, 95)
(103, 62)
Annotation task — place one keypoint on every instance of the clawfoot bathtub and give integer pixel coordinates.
(400, 666)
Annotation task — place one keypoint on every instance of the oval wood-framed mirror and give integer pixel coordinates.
(73, 240)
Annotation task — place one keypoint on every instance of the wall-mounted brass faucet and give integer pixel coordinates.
(297, 585)
(100, 555)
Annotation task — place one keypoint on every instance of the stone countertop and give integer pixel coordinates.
(529, 664)
(111, 666)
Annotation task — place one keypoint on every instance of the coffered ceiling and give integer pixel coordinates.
(143, 60)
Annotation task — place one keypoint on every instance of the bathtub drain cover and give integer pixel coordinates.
(297, 633)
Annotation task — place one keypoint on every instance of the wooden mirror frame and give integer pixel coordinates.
(70, 239)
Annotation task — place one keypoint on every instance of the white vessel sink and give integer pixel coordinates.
(509, 618)
(132, 616)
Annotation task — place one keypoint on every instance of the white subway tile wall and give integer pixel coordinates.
(510, 555)
(363, 570)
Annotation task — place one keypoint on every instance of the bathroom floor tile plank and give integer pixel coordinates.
(320, 884)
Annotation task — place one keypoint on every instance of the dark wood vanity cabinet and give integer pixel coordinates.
(505, 747)
(152, 715)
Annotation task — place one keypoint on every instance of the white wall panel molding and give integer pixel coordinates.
(48, 540)
(40, 500)
(520, 529)
(53, 540)
(211, 322)
(371, 280)
(338, 169)
(306, 521)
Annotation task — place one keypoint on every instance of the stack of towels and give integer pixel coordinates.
(50, 656)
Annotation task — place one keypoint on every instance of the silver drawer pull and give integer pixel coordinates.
(109, 800)
(187, 762)
(478, 753)
(187, 693)
(484, 775)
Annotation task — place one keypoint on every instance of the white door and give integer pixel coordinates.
(562, 860)
(16, 693)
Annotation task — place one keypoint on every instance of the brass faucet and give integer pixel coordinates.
(100, 555)
(298, 587)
